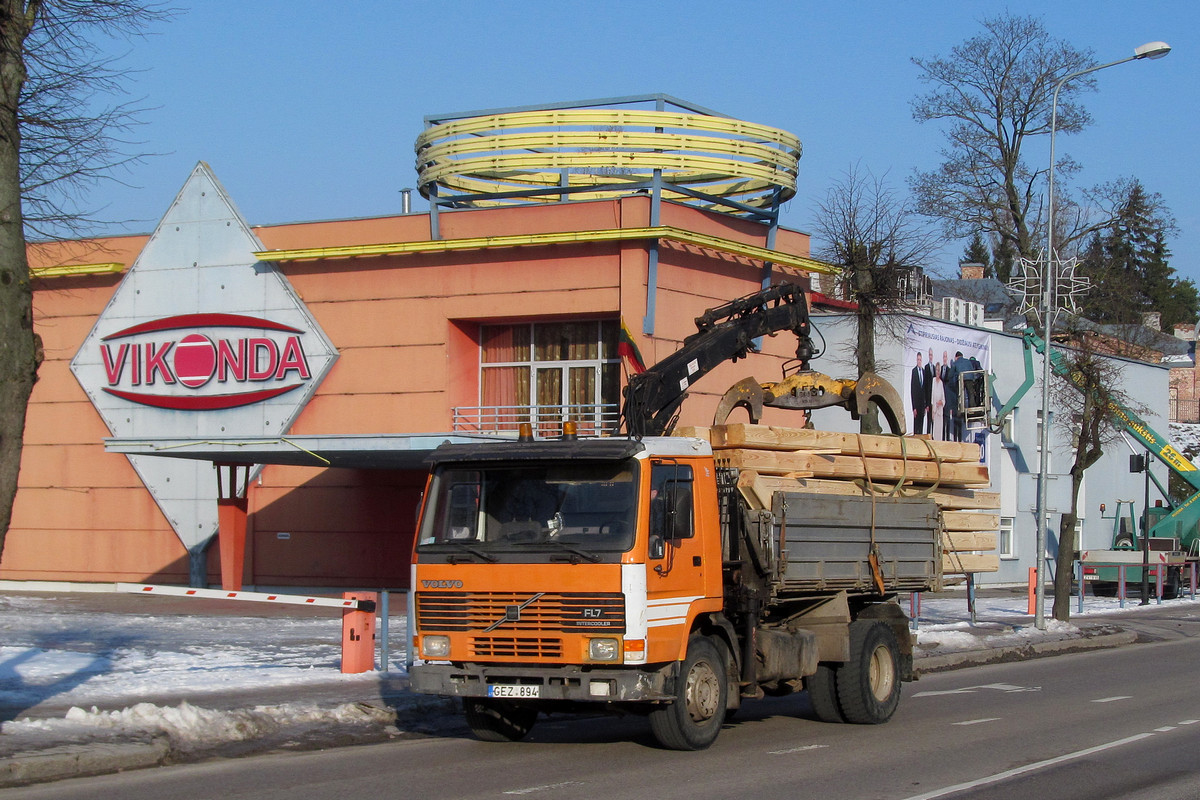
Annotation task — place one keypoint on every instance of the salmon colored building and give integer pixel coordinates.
(549, 232)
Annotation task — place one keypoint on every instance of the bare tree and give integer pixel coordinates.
(868, 230)
(56, 138)
(994, 91)
(1087, 393)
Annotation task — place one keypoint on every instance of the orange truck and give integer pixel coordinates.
(628, 573)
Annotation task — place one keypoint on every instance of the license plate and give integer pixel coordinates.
(513, 690)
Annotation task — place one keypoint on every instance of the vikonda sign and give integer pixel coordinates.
(204, 362)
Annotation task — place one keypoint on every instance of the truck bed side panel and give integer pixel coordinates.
(827, 540)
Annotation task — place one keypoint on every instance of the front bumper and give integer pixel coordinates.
(634, 685)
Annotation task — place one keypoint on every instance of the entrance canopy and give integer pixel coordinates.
(362, 451)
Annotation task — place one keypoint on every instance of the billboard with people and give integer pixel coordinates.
(942, 363)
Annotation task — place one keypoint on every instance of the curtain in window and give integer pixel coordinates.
(505, 343)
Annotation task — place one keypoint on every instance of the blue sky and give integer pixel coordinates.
(309, 110)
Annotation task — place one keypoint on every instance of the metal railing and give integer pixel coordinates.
(590, 420)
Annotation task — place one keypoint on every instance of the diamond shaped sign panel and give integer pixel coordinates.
(200, 340)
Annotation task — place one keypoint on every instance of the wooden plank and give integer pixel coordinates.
(953, 563)
(953, 541)
(752, 491)
(695, 431)
(945, 498)
(889, 471)
(970, 521)
(769, 437)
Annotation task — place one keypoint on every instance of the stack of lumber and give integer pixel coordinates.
(771, 459)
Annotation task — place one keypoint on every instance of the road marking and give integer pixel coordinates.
(976, 721)
(1189, 722)
(545, 788)
(1113, 699)
(1012, 773)
(796, 749)
(1165, 729)
(999, 687)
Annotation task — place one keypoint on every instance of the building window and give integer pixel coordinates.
(548, 373)
(1005, 544)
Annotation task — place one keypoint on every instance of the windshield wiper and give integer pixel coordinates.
(470, 548)
(577, 551)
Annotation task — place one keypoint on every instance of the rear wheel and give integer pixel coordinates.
(693, 721)
(868, 685)
(822, 693)
(498, 720)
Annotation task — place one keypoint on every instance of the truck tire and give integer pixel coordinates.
(498, 720)
(868, 685)
(822, 693)
(694, 719)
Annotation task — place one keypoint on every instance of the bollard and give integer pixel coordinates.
(1082, 584)
(358, 634)
(1032, 590)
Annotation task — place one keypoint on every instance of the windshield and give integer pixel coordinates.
(575, 510)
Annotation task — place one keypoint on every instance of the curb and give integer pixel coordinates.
(76, 761)
(999, 655)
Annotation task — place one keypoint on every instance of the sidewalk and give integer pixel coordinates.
(101, 681)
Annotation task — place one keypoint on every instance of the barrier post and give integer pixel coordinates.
(914, 610)
(1158, 584)
(1121, 585)
(384, 653)
(232, 508)
(1032, 590)
(358, 633)
(1192, 579)
(1081, 585)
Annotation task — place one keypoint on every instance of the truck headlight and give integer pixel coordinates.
(435, 647)
(604, 649)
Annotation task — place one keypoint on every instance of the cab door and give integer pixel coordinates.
(674, 567)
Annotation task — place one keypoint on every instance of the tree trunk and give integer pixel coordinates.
(1064, 562)
(864, 358)
(20, 347)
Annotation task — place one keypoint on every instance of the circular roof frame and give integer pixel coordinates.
(599, 149)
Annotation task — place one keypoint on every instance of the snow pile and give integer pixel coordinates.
(961, 636)
(190, 727)
(1185, 437)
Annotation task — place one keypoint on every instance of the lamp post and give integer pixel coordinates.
(1149, 50)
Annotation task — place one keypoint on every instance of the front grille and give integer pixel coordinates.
(515, 647)
(510, 612)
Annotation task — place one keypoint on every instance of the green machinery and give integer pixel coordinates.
(1180, 521)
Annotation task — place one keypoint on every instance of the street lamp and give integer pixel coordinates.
(1149, 50)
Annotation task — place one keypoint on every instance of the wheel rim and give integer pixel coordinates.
(703, 692)
(882, 673)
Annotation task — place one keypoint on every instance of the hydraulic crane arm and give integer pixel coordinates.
(726, 333)
(1158, 445)
(1184, 520)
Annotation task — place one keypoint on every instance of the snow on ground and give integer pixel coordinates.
(77, 656)
(1004, 621)
(50, 651)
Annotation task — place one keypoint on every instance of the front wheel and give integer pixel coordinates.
(498, 720)
(694, 719)
(868, 685)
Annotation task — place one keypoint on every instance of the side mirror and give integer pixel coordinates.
(658, 547)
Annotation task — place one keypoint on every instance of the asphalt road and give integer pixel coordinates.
(1121, 723)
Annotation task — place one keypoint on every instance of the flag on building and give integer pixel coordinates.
(628, 350)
